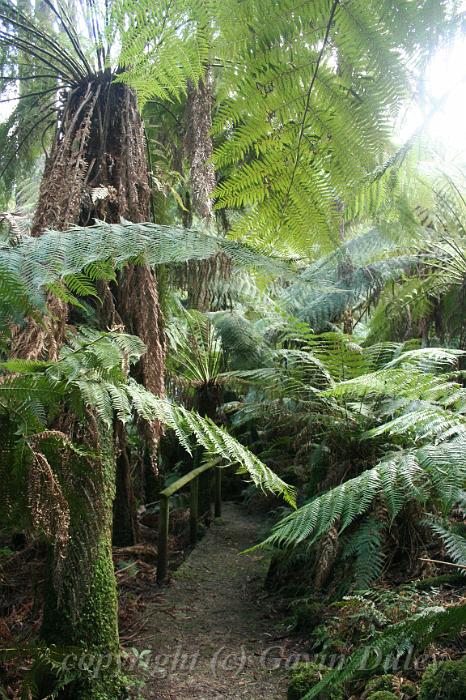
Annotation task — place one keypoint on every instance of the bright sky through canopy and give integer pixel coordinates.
(445, 77)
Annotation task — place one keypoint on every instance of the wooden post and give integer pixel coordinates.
(192, 477)
(194, 510)
(218, 492)
(162, 557)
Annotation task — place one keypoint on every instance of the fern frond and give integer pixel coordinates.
(35, 263)
(435, 471)
(163, 45)
(305, 129)
(215, 440)
(406, 383)
(418, 630)
(454, 543)
(365, 545)
(353, 274)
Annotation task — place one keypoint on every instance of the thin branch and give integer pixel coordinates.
(164, 107)
(52, 123)
(97, 35)
(445, 563)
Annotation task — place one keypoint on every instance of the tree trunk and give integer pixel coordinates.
(202, 276)
(99, 143)
(80, 613)
(125, 522)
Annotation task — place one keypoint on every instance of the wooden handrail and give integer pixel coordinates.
(164, 517)
(186, 478)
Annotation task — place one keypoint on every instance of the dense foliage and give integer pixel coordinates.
(229, 250)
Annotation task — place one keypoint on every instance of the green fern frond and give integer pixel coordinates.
(215, 440)
(454, 543)
(435, 471)
(418, 630)
(403, 382)
(308, 110)
(94, 371)
(353, 274)
(365, 545)
(35, 263)
(163, 45)
(244, 341)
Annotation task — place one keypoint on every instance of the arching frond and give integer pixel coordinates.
(216, 441)
(352, 276)
(396, 480)
(92, 372)
(36, 263)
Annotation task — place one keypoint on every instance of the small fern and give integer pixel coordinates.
(365, 545)
(418, 630)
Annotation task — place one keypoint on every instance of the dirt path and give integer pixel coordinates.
(216, 638)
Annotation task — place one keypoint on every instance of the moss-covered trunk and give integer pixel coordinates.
(86, 640)
(99, 144)
(80, 604)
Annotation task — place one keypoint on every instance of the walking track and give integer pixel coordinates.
(215, 638)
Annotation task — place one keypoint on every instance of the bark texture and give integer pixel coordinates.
(198, 144)
(96, 169)
(203, 277)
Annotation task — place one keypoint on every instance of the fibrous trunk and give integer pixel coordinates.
(80, 621)
(97, 170)
(203, 277)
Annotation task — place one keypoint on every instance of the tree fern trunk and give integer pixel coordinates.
(125, 522)
(202, 276)
(99, 144)
(80, 606)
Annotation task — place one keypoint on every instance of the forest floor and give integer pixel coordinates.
(213, 634)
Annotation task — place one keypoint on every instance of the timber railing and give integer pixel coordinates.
(164, 518)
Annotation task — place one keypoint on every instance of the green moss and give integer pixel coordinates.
(383, 687)
(86, 635)
(444, 681)
(305, 676)
(87, 641)
(384, 682)
(307, 616)
(408, 689)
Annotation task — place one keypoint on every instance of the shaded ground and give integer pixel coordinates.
(214, 636)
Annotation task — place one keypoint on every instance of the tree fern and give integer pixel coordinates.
(434, 472)
(417, 630)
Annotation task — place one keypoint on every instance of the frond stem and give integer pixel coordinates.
(58, 51)
(308, 97)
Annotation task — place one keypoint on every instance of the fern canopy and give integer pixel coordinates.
(92, 373)
(81, 255)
